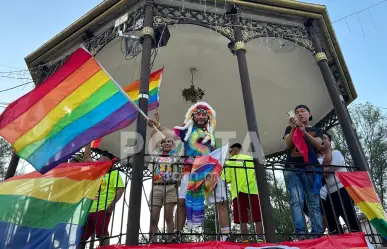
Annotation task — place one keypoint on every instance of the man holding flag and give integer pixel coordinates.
(302, 141)
(197, 134)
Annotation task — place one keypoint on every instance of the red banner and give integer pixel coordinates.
(343, 241)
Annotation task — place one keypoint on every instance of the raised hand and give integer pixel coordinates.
(153, 123)
(293, 121)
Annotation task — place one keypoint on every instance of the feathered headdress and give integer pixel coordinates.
(188, 122)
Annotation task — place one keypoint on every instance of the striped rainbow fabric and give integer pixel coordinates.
(206, 170)
(77, 104)
(48, 211)
(361, 190)
(133, 90)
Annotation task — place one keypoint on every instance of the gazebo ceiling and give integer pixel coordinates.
(282, 76)
(102, 18)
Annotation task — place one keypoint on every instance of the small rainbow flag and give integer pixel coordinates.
(48, 211)
(77, 104)
(361, 190)
(133, 90)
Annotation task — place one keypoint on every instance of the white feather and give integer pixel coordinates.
(186, 124)
(189, 132)
(208, 136)
(212, 136)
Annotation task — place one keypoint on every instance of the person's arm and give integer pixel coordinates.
(117, 183)
(226, 174)
(87, 154)
(154, 138)
(289, 138)
(315, 141)
(119, 193)
(164, 130)
(293, 123)
(327, 161)
(328, 157)
(153, 132)
(156, 117)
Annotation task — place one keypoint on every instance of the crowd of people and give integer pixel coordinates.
(322, 199)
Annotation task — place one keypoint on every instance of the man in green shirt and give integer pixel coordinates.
(244, 191)
(111, 190)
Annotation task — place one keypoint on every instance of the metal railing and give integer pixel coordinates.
(339, 214)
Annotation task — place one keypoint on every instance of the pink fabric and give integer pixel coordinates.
(300, 143)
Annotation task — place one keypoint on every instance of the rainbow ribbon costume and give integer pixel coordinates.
(204, 176)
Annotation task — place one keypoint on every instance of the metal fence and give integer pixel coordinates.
(161, 211)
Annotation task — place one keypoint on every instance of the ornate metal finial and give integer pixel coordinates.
(320, 56)
(192, 94)
(239, 45)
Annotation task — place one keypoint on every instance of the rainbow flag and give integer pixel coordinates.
(200, 184)
(133, 90)
(359, 186)
(48, 211)
(77, 104)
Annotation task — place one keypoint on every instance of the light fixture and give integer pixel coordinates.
(192, 94)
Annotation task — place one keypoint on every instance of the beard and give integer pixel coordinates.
(205, 122)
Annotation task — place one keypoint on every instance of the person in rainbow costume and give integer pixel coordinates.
(197, 134)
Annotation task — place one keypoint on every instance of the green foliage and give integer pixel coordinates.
(371, 128)
(281, 207)
(5, 153)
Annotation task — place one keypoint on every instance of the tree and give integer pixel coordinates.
(5, 153)
(281, 207)
(371, 127)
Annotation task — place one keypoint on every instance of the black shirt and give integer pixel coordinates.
(295, 156)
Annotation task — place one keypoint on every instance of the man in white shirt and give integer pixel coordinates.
(343, 208)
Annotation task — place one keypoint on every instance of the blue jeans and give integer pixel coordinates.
(299, 185)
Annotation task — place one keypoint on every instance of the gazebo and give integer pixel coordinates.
(254, 61)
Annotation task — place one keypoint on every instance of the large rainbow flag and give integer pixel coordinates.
(48, 211)
(77, 104)
(359, 186)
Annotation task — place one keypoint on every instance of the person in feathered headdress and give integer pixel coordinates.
(197, 134)
(202, 116)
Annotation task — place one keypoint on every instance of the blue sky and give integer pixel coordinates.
(28, 25)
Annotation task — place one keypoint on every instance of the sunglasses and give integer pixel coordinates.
(200, 111)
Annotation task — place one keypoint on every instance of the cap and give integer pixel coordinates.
(306, 108)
